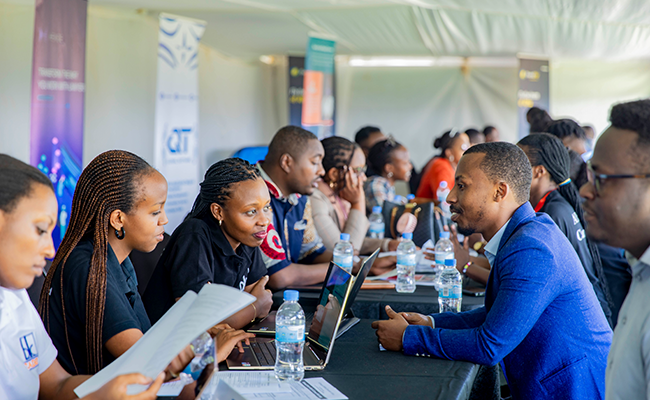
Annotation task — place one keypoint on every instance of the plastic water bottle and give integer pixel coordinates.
(450, 294)
(377, 225)
(289, 338)
(443, 250)
(344, 253)
(441, 194)
(410, 198)
(406, 265)
(399, 200)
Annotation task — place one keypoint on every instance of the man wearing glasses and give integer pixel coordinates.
(617, 212)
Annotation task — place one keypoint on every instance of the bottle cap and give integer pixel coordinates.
(443, 184)
(291, 295)
(345, 236)
(376, 209)
(444, 235)
(410, 197)
(450, 262)
(407, 235)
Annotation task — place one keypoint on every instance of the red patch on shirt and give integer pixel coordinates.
(272, 245)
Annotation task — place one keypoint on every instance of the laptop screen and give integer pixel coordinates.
(329, 309)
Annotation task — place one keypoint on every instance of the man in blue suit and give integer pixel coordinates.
(541, 318)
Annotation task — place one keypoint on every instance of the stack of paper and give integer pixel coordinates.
(262, 385)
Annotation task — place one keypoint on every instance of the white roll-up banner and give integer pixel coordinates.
(176, 152)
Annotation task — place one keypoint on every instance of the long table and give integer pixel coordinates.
(361, 371)
(371, 303)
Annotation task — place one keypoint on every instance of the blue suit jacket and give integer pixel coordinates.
(541, 317)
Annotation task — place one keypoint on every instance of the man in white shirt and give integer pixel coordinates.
(617, 212)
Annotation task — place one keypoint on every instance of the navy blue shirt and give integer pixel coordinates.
(123, 310)
(567, 220)
(197, 253)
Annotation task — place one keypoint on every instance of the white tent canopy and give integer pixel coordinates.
(595, 29)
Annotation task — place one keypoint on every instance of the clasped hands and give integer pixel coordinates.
(390, 332)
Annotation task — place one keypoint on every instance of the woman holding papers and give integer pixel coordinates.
(28, 365)
(218, 243)
(90, 302)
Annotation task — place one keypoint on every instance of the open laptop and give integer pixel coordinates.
(267, 324)
(319, 343)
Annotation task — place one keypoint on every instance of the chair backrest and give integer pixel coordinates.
(145, 263)
(252, 154)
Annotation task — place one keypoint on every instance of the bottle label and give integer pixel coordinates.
(290, 334)
(379, 228)
(453, 292)
(344, 262)
(406, 259)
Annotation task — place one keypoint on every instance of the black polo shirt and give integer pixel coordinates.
(567, 220)
(124, 309)
(197, 253)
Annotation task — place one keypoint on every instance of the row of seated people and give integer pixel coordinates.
(255, 226)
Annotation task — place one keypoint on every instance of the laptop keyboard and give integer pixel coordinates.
(265, 352)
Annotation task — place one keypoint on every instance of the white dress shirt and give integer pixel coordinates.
(26, 350)
(628, 363)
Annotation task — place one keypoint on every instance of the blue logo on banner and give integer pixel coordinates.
(177, 141)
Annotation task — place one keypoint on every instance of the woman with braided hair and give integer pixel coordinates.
(89, 302)
(29, 366)
(339, 203)
(388, 162)
(552, 193)
(218, 243)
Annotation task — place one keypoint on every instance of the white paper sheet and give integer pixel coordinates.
(307, 389)
(254, 382)
(192, 315)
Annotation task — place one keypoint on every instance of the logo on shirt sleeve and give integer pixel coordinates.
(272, 245)
(30, 352)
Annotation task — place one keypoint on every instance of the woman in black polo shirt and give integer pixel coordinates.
(552, 193)
(90, 302)
(218, 243)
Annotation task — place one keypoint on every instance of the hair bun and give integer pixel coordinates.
(436, 143)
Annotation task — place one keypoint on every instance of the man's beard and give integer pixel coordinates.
(466, 230)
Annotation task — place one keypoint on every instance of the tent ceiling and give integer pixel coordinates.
(593, 29)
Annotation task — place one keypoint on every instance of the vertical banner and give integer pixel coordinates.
(318, 94)
(57, 109)
(296, 76)
(176, 150)
(533, 90)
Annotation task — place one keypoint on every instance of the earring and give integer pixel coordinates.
(119, 234)
(389, 175)
(451, 158)
(332, 185)
(220, 222)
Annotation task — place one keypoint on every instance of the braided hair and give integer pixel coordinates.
(110, 182)
(381, 154)
(217, 182)
(17, 180)
(338, 152)
(547, 150)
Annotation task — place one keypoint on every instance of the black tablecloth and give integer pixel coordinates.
(360, 371)
(371, 303)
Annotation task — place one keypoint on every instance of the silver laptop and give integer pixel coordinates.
(320, 341)
(267, 325)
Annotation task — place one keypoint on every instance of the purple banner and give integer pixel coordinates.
(58, 86)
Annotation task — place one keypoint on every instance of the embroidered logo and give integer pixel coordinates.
(272, 245)
(30, 352)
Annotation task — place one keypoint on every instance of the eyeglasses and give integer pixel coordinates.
(357, 170)
(598, 179)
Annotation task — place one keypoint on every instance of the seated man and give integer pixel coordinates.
(617, 213)
(541, 318)
(291, 170)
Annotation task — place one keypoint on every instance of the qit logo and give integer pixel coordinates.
(178, 141)
(30, 352)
